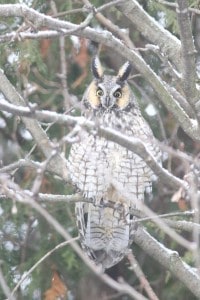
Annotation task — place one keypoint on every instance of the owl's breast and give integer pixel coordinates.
(89, 167)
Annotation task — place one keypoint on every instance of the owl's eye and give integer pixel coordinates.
(99, 92)
(117, 94)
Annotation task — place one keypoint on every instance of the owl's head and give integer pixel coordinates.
(108, 92)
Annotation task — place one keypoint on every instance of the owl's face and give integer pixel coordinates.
(108, 92)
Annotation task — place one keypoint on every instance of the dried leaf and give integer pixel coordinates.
(58, 289)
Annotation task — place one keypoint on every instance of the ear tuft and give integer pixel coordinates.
(97, 68)
(124, 71)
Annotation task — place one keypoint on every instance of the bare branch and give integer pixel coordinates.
(189, 126)
(166, 257)
(188, 55)
(182, 101)
(110, 26)
(15, 192)
(34, 127)
(174, 5)
(169, 231)
(140, 275)
(132, 144)
(61, 198)
(19, 164)
(170, 260)
(143, 217)
(108, 5)
(169, 45)
(183, 225)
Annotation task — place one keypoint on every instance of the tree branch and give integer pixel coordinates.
(140, 275)
(183, 225)
(39, 135)
(133, 144)
(188, 55)
(174, 5)
(169, 45)
(112, 27)
(170, 260)
(169, 231)
(58, 198)
(189, 126)
(166, 257)
(13, 190)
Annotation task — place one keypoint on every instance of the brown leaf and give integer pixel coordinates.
(44, 47)
(58, 289)
(181, 199)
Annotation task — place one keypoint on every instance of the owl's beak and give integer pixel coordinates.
(107, 102)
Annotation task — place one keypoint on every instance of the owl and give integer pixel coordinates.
(112, 178)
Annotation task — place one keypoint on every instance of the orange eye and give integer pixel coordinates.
(99, 92)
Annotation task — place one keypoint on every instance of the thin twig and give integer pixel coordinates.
(40, 174)
(63, 65)
(142, 217)
(174, 5)
(109, 25)
(108, 5)
(134, 265)
(20, 164)
(169, 231)
(27, 273)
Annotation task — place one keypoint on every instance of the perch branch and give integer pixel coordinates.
(133, 144)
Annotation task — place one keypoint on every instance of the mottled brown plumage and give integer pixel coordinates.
(112, 176)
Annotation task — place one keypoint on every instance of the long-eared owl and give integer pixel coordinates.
(113, 178)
